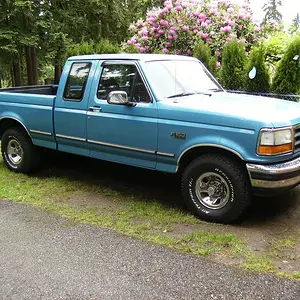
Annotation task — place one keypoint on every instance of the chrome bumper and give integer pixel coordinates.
(276, 176)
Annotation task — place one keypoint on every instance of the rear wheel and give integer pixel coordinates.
(216, 188)
(18, 152)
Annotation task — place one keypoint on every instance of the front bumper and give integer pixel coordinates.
(277, 176)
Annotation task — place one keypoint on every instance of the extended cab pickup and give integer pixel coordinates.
(159, 112)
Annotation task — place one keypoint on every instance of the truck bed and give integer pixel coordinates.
(49, 90)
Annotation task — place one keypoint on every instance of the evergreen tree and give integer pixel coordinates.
(261, 80)
(234, 64)
(295, 26)
(287, 77)
(271, 11)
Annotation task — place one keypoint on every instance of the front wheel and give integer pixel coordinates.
(216, 188)
(18, 152)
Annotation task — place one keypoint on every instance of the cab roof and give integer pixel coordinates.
(127, 56)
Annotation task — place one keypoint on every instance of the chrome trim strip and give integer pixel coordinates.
(165, 154)
(275, 184)
(121, 147)
(70, 137)
(40, 132)
(208, 145)
(18, 122)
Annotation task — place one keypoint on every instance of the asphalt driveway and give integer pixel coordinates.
(42, 256)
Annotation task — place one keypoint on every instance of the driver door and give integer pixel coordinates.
(119, 133)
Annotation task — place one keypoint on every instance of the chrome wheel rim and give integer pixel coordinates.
(212, 190)
(15, 152)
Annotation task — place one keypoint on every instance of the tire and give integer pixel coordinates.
(216, 188)
(18, 152)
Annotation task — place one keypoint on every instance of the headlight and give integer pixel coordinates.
(275, 141)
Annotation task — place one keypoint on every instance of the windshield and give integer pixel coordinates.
(172, 78)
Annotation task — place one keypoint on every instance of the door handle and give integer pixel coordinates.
(95, 108)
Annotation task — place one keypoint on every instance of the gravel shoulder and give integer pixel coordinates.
(42, 256)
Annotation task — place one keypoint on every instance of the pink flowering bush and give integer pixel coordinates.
(181, 24)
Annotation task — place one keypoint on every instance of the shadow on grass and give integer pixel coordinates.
(150, 185)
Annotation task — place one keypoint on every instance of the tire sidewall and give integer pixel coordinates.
(195, 204)
(7, 136)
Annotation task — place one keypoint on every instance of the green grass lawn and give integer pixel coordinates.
(150, 221)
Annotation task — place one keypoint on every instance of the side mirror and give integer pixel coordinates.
(119, 98)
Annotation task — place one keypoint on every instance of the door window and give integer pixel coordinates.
(118, 77)
(76, 81)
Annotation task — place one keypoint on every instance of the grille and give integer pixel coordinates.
(297, 138)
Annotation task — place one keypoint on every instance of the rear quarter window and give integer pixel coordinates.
(76, 82)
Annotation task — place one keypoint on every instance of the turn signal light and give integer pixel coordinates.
(273, 150)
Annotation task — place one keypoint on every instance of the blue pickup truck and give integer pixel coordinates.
(161, 112)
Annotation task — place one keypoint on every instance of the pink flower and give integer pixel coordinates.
(189, 52)
(185, 28)
(226, 29)
(204, 24)
(195, 31)
(208, 22)
(171, 31)
(164, 23)
(145, 38)
(218, 64)
(142, 49)
(231, 22)
(168, 44)
(202, 16)
(204, 35)
(213, 11)
(178, 8)
(165, 50)
(230, 10)
(170, 38)
(129, 42)
(175, 37)
(257, 29)
(179, 21)
(218, 53)
(240, 26)
(131, 27)
(185, 5)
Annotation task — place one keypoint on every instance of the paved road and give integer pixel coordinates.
(42, 257)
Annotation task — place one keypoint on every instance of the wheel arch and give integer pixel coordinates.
(10, 122)
(195, 151)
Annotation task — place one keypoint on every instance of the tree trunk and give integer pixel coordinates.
(57, 71)
(17, 72)
(29, 66)
(12, 76)
(35, 78)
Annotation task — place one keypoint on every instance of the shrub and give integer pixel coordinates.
(203, 53)
(287, 76)
(233, 70)
(103, 46)
(180, 25)
(261, 82)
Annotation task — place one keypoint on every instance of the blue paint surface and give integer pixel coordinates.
(141, 135)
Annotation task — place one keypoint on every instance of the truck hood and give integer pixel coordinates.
(236, 110)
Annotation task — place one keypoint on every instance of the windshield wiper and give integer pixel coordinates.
(216, 90)
(188, 94)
